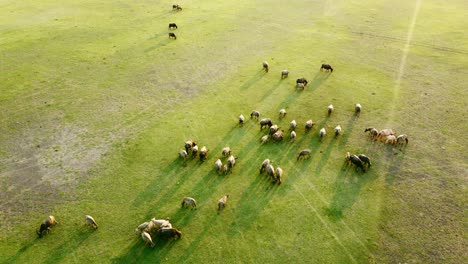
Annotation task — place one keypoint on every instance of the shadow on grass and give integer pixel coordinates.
(257, 76)
(319, 78)
(253, 201)
(22, 250)
(395, 156)
(269, 92)
(163, 42)
(176, 173)
(67, 247)
(348, 185)
(141, 253)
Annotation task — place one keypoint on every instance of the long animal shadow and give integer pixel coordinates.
(67, 247)
(22, 250)
(141, 253)
(196, 240)
(325, 156)
(348, 185)
(395, 157)
(165, 184)
(269, 92)
(257, 76)
(319, 79)
(163, 42)
(261, 191)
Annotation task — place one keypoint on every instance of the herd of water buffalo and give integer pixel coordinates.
(163, 228)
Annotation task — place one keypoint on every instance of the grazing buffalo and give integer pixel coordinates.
(402, 139)
(46, 224)
(189, 202)
(265, 122)
(357, 162)
(169, 233)
(172, 35)
(284, 74)
(176, 7)
(302, 80)
(373, 132)
(265, 163)
(365, 160)
(278, 135)
(255, 114)
(265, 66)
(327, 67)
(189, 144)
(172, 26)
(222, 202)
(305, 153)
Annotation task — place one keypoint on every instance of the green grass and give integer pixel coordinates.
(96, 102)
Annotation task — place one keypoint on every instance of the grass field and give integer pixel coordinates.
(96, 102)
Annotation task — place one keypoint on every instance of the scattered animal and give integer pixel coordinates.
(282, 113)
(273, 129)
(264, 138)
(183, 154)
(322, 133)
(300, 86)
(89, 221)
(327, 67)
(402, 139)
(218, 166)
(271, 171)
(278, 135)
(203, 153)
(160, 223)
(330, 109)
(337, 130)
(194, 151)
(241, 120)
(189, 202)
(304, 154)
(391, 139)
(356, 161)
(176, 7)
(231, 161)
(172, 35)
(309, 124)
(357, 109)
(222, 202)
(265, 163)
(226, 151)
(348, 158)
(372, 132)
(302, 80)
(365, 160)
(279, 175)
(147, 238)
(172, 26)
(292, 125)
(384, 133)
(293, 135)
(46, 225)
(146, 226)
(189, 144)
(255, 114)
(265, 66)
(284, 74)
(265, 122)
(169, 233)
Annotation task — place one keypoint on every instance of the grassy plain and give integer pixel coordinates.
(96, 102)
